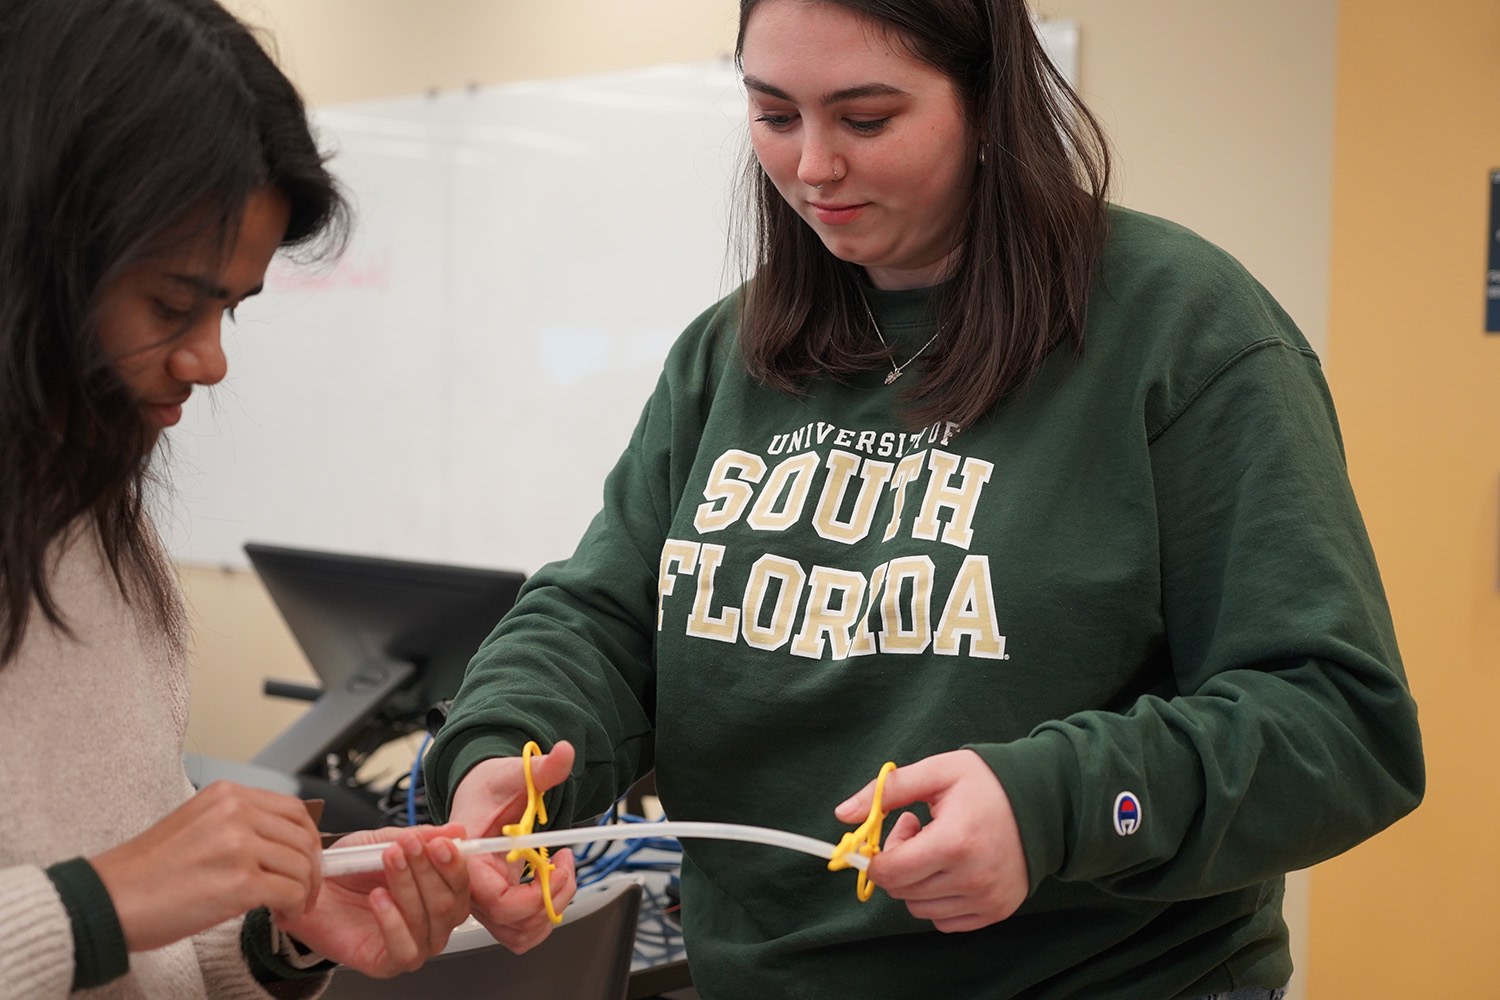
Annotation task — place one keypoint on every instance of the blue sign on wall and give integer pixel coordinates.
(1492, 292)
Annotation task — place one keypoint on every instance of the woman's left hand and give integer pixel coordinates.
(388, 922)
(965, 869)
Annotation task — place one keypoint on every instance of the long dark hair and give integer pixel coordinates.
(1036, 225)
(126, 126)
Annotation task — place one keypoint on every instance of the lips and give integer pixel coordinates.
(837, 215)
(165, 414)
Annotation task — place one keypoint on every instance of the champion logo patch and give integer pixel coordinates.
(1127, 814)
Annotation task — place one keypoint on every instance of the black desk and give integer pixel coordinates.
(582, 959)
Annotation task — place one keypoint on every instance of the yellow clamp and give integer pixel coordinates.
(865, 838)
(536, 857)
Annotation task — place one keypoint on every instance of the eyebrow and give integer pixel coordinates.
(206, 287)
(833, 96)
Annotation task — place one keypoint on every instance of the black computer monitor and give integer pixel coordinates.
(387, 638)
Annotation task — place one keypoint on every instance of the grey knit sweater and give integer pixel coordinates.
(91, 731)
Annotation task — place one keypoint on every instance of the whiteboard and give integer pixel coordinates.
(456, 387)
(1059, 37)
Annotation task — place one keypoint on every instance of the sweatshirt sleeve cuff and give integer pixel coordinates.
(446, 769)
(267, 954)
(1039, 774)
(99, 951)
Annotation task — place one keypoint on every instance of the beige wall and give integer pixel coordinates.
(238, 641)
(1222, 115)
(347, 50)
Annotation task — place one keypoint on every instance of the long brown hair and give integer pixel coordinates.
(126, 125)
(1036, 225)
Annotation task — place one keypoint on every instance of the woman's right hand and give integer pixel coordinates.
(491, 795)
(225, 851)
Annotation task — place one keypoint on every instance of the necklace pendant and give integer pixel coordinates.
(893, 376)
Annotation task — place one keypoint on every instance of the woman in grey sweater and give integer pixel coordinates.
(155, 159)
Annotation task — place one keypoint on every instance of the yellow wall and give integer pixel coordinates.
(1416, 912)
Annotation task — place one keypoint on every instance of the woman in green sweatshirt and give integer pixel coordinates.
(1042, 499)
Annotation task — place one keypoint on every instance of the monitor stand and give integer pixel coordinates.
(334, 717)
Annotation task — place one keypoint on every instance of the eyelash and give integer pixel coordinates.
(780, 123)
(775, 123)
(171, 314)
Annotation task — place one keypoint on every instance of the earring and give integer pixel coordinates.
(982, 148)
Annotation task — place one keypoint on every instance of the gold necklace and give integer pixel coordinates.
(896, 370)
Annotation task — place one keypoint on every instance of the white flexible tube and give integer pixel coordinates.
(366, 858)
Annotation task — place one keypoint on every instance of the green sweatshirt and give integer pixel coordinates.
(1140, 589)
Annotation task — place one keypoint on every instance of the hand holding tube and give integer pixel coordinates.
(965, 869)
(490, 796)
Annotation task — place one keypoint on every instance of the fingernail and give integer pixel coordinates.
(398, 861)
(411, 845)
(441, 851)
